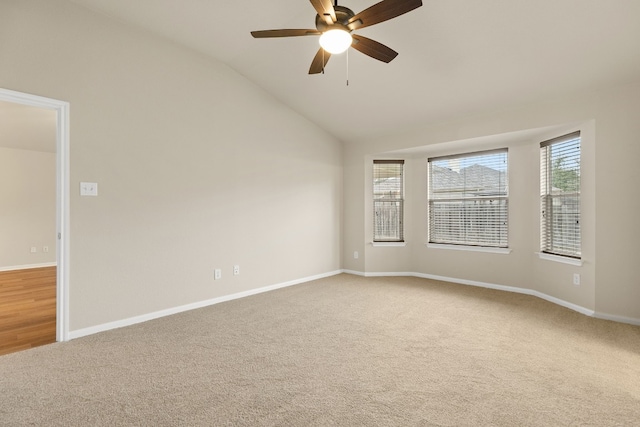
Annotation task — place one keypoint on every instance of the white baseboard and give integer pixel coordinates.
(175, 310)
(354, 272)
(517, 290)
(28, 266)
(558, 301)
(563, 303)
(200, 304)
(616, 318)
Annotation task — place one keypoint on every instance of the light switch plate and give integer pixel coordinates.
(88, 189)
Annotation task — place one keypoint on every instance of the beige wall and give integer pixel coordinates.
(610, 149)
(197, 168)
(27, 207)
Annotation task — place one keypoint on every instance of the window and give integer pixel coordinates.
(560, 196)
(468, 199)
(388, 200)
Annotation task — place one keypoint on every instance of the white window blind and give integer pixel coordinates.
(468, 199)
(388, 200)
(560, 196)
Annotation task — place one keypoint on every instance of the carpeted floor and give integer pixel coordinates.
(341, 351)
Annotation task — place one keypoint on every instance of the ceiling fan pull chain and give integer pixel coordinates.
(347, 67)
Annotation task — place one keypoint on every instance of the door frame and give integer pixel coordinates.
(62, 199)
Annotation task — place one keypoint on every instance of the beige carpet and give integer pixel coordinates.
(341, 351)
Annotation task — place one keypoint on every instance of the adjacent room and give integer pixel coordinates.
(209, 217)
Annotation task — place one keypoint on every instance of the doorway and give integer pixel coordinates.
(61, 110)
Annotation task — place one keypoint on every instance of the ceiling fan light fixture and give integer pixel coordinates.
(335, 41)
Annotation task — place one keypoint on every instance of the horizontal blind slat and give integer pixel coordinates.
(388, 195)
(560, 231)
(468, 199)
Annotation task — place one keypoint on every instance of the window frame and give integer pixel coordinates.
(502, 241)
(548, 227)
(378, 237)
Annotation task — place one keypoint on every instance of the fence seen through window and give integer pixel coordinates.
(560, 196)
(388, 200)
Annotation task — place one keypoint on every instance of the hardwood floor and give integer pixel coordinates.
(27, 308)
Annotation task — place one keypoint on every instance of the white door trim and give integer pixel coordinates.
(62, 199)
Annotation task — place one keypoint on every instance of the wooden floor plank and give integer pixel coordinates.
(27, 308)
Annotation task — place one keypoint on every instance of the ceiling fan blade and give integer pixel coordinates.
(284, 33)
(325, 10)
(373, 48)
(383, 11)
(319, 61)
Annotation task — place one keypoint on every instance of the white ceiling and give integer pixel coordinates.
(456, 57)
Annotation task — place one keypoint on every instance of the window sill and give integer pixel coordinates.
(561, 259)
(468, 248)
(397, 244)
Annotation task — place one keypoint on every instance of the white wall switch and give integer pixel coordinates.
(88, 188)
(45, 249)
(217, 274)
(33, 249)
(355, 254)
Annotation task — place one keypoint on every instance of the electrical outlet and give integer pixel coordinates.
(576, 279)
(88, 188)
(355, 255)
(217, 274)
(33, 249)
(236, 270)
(45, 249)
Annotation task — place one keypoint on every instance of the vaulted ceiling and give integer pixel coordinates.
(456, 57)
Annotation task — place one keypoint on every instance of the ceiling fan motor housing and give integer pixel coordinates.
(343, 14)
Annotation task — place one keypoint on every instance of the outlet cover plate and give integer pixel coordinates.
(88, 188)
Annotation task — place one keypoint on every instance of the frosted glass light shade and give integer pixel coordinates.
(335, 41)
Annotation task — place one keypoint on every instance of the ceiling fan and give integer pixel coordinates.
(335, 24)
